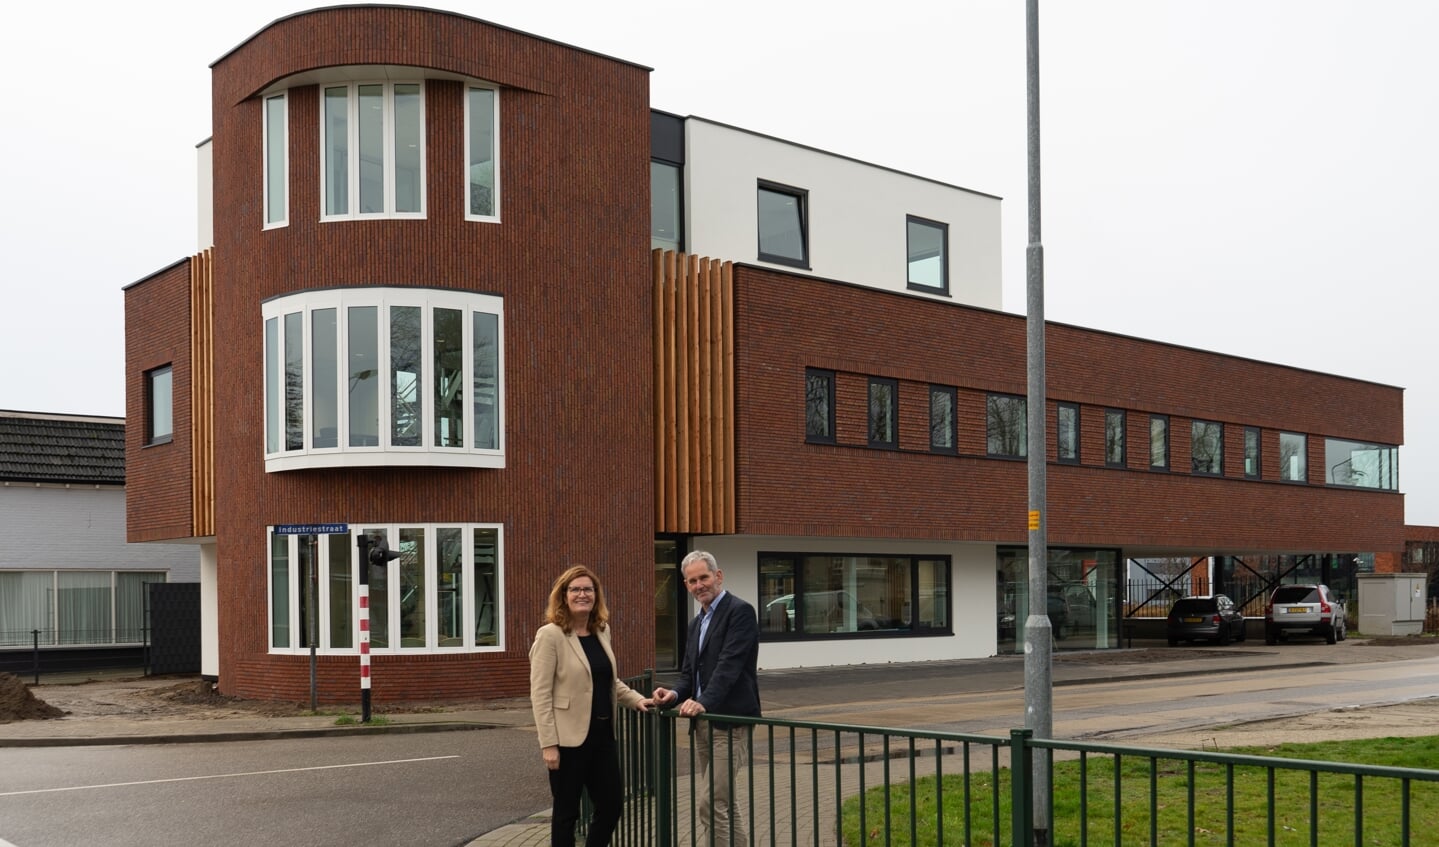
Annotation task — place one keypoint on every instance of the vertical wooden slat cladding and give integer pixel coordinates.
(202, 400)
(158, 477)
(850, 490)
(568, 257)
(694, 387)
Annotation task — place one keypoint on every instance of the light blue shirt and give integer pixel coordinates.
(705, 615)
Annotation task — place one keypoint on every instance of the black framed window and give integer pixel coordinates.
(1206, 448)
(819, 406)
(1006, 425)
(783, 224)
(1159, 442)
(159, 405)
(1114, 425)
(1251, 452)
(883, 412)
(805, 596)
(1293, 457)
(927, 248)
(943, 432)
(1067, 433)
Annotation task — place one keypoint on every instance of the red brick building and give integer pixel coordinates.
(430, 316)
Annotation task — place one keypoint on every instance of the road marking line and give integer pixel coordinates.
(216, 776)
(4, 843)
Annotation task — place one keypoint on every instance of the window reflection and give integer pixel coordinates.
(821, 595)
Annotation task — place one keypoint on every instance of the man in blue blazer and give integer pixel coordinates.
(718, 675)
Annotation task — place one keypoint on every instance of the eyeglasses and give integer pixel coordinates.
(577, 589)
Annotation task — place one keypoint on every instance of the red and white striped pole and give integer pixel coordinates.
(363, 616)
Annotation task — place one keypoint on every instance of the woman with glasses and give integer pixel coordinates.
(576, 693)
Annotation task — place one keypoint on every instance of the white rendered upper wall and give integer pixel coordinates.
(857, 213)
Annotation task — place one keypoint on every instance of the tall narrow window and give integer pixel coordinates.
(941, 419)
(1251, 452)
(883, 412)
(1293, 458)
(1206, 448)
(1067, 433)
(1006, 425)
(159, 405)
(487, 380)
(364, 376)
(294, 381)
(449, 384)
(273, 407)
(819, 406)
(481, 118)
(373, 150)
(280, 591)
(783, 225)
(1114, 455)
(1159, 442)
(665, 206)
(928, 255)
(325, 412)
(277, 169)
(407, 413)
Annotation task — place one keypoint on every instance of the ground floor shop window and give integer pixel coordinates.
(1082, 599)
(60, 607)
(812, 595)
(441, 593)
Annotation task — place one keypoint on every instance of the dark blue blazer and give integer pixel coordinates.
(727, 664)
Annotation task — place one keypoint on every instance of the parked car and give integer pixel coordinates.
(1304, 609)
(1213, 618)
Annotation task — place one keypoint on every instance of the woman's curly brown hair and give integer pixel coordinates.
(559, 610)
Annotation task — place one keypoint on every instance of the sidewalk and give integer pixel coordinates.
(815, 694)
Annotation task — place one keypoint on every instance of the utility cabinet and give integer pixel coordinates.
(1392, 603)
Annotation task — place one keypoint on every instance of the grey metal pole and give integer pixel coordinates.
(1038, 636)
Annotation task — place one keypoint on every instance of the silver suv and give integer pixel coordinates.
(1304, 609)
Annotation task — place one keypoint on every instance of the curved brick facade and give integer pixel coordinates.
(570, 260)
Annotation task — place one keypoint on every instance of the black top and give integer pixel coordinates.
(602, 674)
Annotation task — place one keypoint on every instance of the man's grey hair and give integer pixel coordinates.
(700, 556)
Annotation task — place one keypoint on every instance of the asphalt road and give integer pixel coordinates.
(410, 790)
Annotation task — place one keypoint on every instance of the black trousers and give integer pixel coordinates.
(594, 766)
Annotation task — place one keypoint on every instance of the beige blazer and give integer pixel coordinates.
(561, 689)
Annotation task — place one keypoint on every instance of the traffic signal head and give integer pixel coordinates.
(380, 552)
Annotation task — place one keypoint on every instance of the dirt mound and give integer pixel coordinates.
(18, 704)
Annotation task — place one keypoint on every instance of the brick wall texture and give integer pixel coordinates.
(786, 323)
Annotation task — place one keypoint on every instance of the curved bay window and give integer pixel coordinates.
(384, 376)
(814, 595)
(441, 594)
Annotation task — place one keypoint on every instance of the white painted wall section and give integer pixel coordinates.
(856, 211)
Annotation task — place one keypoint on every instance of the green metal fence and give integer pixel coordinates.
(824, 784)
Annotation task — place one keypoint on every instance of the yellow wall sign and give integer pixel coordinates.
(1034, 520)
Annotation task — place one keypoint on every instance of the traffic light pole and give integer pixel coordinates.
(362, 541)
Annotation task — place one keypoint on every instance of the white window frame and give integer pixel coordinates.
(352, 141)
(470, 614)
(494, 216)
(427, 453)
(284, 163)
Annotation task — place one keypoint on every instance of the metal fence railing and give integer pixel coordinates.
(37, 652)
(824, 784)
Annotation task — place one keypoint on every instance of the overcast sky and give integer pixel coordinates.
(1256, 177)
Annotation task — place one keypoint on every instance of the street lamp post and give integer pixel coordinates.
(1038, 637)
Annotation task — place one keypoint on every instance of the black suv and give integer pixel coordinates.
(1214, 618)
